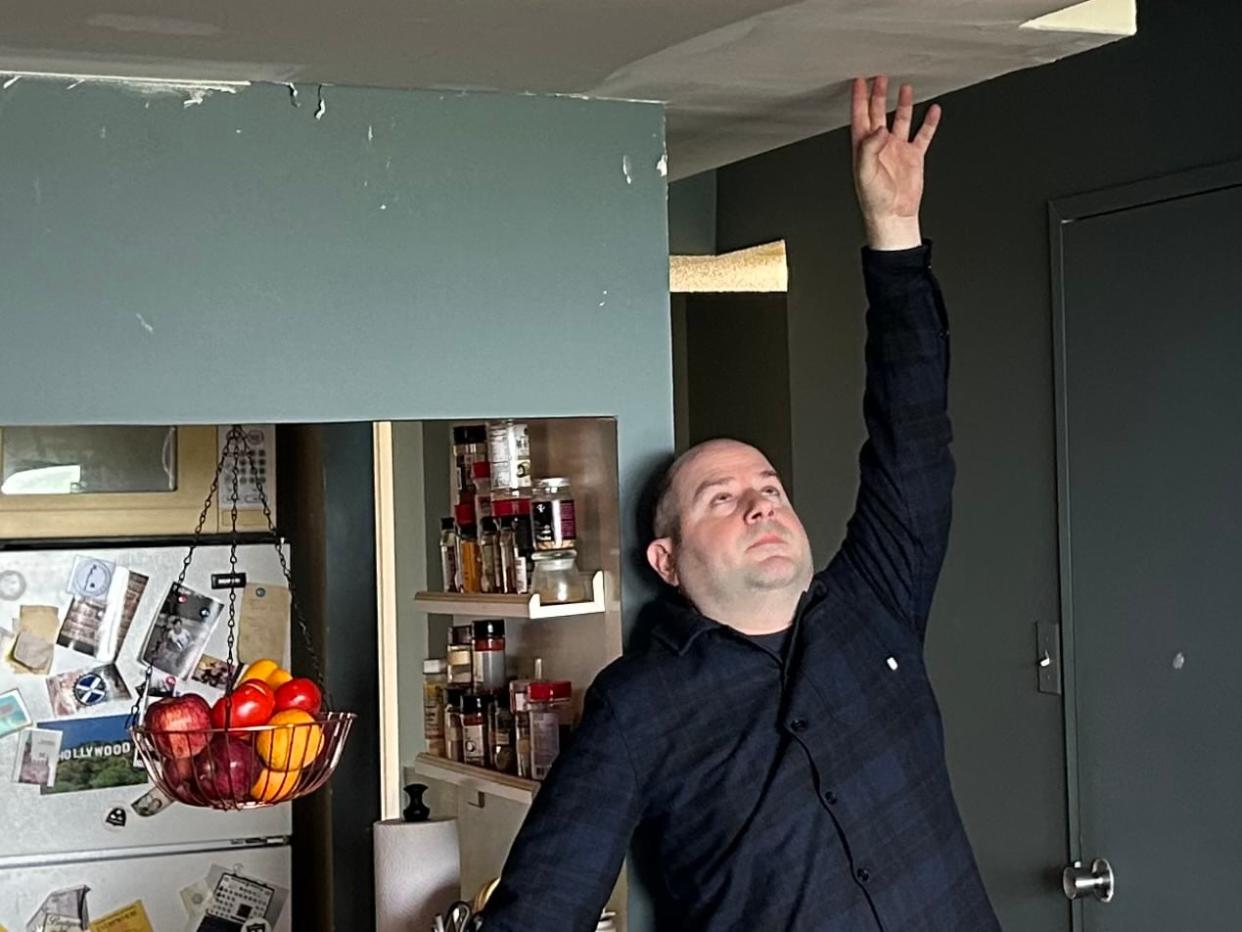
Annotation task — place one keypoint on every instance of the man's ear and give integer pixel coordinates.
(660, 555)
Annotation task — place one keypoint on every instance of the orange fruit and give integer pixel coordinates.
(278, 678)
(271, 786)
(259, 670)
(292, 740)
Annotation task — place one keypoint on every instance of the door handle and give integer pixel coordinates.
(1098, 881)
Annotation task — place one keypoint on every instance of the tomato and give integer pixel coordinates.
(299, 693)
(252, 703)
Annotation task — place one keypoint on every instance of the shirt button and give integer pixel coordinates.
(863, 875)
(830, 798)
(943, 334)
(798, 725)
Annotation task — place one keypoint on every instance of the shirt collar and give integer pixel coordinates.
(680, 624)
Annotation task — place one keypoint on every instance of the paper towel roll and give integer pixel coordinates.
(417, 873)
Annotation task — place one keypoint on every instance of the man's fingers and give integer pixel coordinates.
(928, 130)
(905, 112)
(879, 102)
(860, 121)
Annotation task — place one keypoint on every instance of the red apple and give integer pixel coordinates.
(226, 769)
(180, 725)
(181, 782)
(252, 703)
(299, 693)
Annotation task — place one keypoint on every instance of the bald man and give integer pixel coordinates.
(778, 744)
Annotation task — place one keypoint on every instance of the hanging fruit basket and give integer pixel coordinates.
(270, 737)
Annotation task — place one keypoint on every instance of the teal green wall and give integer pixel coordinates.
(405, 255)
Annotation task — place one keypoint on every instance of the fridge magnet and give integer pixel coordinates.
(62, 911)
(176, 639)
(34, 643)
(97, 625)
(131, 918)
(91, 577)
(38, 753)
(12, 585)
(80, 632)
(152, 802)
(13, 713)
(212, 671)
(95, 753)
(79, 691)
(235, 900)
(263, 622)
(116, 818)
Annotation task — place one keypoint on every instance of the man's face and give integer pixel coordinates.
(739, 533)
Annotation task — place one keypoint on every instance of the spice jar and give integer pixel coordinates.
(435, 685)
(474, 729)
(556, 577)
(502, 756)
(489, 654)
(508, 448)
(448, 555)
(469, 559)
(452, 724)
(553, 515)
(545, 729)
(490, 579)
(482, 473)
(510, 503)
(521, 729)
(461, 656)
(469, 447)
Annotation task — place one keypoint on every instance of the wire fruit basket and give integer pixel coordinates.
(270, 737)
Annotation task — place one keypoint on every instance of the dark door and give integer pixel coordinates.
(1150, 419)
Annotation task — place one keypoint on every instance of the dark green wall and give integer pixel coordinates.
(737, 371)
(1143, 107)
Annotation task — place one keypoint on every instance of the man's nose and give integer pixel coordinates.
(758, 508)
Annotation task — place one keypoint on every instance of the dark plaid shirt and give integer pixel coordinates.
(808, 794)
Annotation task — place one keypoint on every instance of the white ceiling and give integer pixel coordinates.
(739, 76)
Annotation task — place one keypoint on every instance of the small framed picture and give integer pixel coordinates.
(13, 713)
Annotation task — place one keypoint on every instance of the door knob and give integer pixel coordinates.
(1078, 881)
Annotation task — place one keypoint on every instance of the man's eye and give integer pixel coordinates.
(721, 498)
(772, 490)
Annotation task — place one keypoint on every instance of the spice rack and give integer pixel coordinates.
(511, 606)
(476, 779)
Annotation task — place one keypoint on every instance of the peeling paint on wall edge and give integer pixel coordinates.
(194, 92)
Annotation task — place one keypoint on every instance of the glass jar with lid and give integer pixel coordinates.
(553, 514)
(556, 577)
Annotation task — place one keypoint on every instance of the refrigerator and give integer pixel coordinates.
(85, 837)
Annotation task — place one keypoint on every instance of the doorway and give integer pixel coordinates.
(1149, 387)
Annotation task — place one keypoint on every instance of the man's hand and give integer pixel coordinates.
(888, 164)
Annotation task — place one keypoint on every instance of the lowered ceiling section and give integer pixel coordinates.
(739, 77)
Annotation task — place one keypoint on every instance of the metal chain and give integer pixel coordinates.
(235, 446)
(144, 696)
(232, 447)
(294, 604)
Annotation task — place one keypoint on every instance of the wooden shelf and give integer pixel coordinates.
(482, 604)
(478, 779)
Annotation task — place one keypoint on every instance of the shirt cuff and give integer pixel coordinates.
(898, 259)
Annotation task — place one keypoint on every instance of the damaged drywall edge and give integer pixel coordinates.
(194, 92)
(1094, 17)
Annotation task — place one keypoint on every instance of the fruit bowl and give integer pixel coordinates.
(245, 767)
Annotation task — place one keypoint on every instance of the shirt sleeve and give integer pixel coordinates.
(897, 536)
(567, 856)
